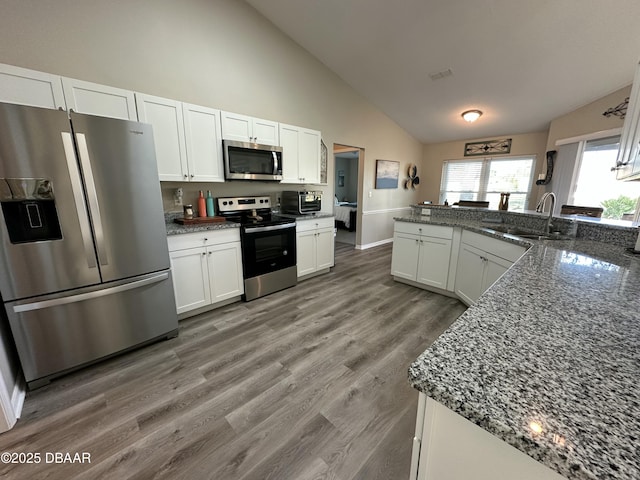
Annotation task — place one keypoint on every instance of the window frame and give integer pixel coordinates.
(485, 172)
(581, 143)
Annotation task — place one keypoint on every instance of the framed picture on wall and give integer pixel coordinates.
(387, 173)
(341, 178)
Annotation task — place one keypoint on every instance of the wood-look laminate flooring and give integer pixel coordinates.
(309, 383)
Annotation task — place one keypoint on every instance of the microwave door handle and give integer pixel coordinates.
(275, 163)
(78, 198)
(92, 195)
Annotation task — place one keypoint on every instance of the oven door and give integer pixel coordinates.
(268, 248)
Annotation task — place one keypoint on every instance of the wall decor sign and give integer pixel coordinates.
(619, 110)
(488, 146)
(387, 173)
(414, 179)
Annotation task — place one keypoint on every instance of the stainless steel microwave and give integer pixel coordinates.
(251, 161)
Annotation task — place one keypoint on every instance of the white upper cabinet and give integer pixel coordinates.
(30, 87)
(309, 155)
(96, 99)
(290, 143)
(165, 116)
(187, 139)
(243, 128)
(203, 136)
(628, 162)
(300, 154)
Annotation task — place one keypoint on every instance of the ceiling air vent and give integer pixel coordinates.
(439, 75)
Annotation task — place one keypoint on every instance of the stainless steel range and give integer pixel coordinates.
(268, 245)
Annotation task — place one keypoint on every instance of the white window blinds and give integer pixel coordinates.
(485, 179)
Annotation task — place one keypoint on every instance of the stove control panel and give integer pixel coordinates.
(238, 204)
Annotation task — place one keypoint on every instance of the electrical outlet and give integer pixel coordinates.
(370, 194)
(177, 197)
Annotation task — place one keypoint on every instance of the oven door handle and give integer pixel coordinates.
(269, 228)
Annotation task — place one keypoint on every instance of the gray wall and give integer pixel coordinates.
(218, 53)
(348, 193)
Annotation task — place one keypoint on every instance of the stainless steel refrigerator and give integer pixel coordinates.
(84, 264)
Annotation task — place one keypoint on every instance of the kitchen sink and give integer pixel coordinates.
(511, 230)
(522, 233)
(537, 236)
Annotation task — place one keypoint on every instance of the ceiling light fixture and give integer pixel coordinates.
(471, 115)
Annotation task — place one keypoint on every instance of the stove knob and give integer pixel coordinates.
(224, 203)
(230, 202)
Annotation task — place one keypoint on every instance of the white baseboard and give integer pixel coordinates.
(374, 244)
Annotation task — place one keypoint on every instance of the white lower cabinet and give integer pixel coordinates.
(481, 261)
(422, 253)
(447, 446)
(314, 245)
(206, 268)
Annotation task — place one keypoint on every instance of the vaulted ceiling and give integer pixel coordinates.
(522, 62)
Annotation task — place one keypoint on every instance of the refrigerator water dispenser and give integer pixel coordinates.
(29, 210)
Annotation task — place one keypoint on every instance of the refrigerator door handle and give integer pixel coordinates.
(85, 161)
(78, 197)
(28, 307)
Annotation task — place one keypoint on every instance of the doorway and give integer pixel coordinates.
(346, 193)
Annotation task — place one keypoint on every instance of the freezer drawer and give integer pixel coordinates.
(54, 334)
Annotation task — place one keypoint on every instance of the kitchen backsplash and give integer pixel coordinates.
(233, 189)
(589, 230)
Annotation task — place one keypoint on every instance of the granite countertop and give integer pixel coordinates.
(555, 341)
(174, 228)
(177, 229)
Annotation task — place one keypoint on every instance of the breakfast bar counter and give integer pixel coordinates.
(548, 358)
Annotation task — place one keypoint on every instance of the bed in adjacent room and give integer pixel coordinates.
(345, 212)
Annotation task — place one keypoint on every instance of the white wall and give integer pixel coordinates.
(11, 388)
(434, 154)
(587, 119)
(218, 53)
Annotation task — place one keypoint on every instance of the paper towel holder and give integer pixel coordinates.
(544, 179)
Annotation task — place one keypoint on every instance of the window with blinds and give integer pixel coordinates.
(484, 179)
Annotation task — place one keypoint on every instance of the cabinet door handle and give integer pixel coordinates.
(185, 176)
(210, 253)
(192, 175)
(204, 253)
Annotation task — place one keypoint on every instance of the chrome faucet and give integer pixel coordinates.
(541, 205)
